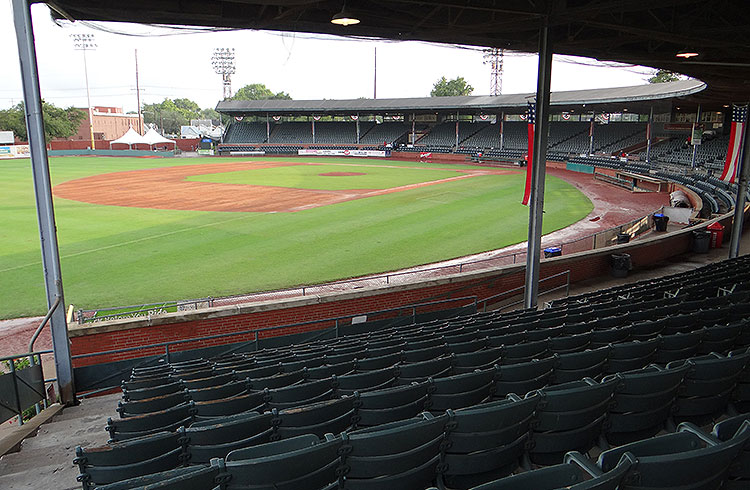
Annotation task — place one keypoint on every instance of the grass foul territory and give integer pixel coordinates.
(402, 214)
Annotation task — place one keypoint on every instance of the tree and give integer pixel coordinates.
(58, 122)
(661, 76)
(258, 91)
(448, 88)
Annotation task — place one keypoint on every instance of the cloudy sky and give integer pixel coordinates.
(173, 64)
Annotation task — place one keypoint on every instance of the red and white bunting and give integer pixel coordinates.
(239, 118)
(316, 118)
(523, 117)
(276, 118)
(354, 117)
(483, 117)
(731, 164)
(565, 116)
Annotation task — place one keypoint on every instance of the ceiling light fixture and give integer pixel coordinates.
(686, 53)
(344, 18)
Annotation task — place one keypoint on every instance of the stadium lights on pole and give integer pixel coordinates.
(86, 42)
(494, 58)
(223, 64)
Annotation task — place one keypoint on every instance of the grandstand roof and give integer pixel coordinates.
(630, 31)
(635, 98)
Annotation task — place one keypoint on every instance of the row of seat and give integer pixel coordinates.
(458, 449)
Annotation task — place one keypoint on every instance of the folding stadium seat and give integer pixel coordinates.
(466, 336)
(379, 362)
(149, 405)
(384, 348)
(420, 371)
(203, 372)
(485, 442)
(570, 343)
(216, 438)
(741, 394)
(135, 457)
(209, 382)
(578, 365)
(719, 338)
(601, 338)
(426, 354)
(317, 418)
(277, 380)
(189, 478)
(392, 404)
(678, 346)
(471, 361)
(626, 356)
(648, 329)
(468, 346)
(527, 351)
(303, 364)
(234, 388)
(461, 390)
(371, 380)
(569, 417)
(326, 371)
(258, 371)
(499, 340)
(160, 390)
(708, 385)
(140, 425)
(687, 459)
(642, 403)
(302, 462)
(230, 406)
(424, 343)
(139, 384)
(576, 473)
(399, 455)
(739, 472)
(544, 333)
(300, 394)
(523, 377)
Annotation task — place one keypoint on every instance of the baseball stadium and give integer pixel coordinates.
(514, 291)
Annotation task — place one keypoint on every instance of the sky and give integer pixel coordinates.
(176, 65)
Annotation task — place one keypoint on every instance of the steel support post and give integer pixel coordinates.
(536, 206)
(696, 124)
(739, 207)
(43, 193)
(650, 134)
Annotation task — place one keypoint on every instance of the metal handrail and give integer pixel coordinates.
(44, 322)
(521, 288)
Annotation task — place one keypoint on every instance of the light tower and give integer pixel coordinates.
(494, 58)
(86, 42)
(223, 63)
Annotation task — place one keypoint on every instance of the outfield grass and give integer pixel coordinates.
(117, 255)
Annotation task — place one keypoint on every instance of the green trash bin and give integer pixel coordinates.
(701, 241)
(620, 264)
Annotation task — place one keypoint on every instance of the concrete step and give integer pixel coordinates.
(46, 477)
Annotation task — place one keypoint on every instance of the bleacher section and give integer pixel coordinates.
(246, 132)
(291, 133)
(611, 138)
(377, 134)
(462, 402)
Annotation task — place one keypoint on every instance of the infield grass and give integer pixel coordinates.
(116, 256)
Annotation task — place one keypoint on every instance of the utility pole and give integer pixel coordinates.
(375, 76)
(138, 95)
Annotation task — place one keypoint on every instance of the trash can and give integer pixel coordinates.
(623, 238)
(701, 241)
(717, 234)
(621, 264)
(660, 222)
(552, 252)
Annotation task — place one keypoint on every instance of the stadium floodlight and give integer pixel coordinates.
(687, 53)
(86, 42)
(494, 58)
(223, 64)
(344, 18)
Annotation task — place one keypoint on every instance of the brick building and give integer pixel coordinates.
(109, 123)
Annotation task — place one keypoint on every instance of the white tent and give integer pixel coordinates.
(153, 138)
(130, 138)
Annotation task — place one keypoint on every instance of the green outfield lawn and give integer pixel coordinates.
(113, 256)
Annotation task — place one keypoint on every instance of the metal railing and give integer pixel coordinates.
(146, 309)
(495, 298)
(32, 390)
(336, 323)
